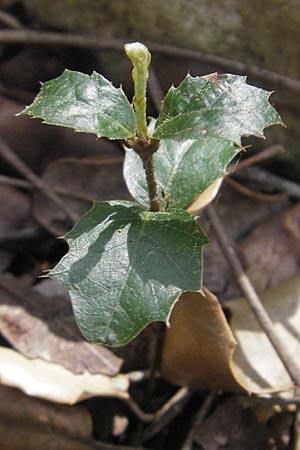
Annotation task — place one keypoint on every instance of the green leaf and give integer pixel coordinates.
(127, 266)
(90, 104)
(223, 106)
(183, 169)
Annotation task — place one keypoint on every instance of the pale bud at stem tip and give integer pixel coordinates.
(138, 53)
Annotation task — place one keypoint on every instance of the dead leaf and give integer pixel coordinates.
(39, 322)
(234, 427)
(85, 180)
(199, 345)
(255, 362)
(38, 145)
(72, 421)
(15, 213)
(271, 253)
(55, 383)
(200, 350)
(239, 215)
(205, 197)
(15, 435)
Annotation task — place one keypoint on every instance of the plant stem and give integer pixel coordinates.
(148, 164)
(145, 147)
(140, 58)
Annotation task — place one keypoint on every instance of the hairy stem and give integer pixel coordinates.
(146, 149)
(148, 164)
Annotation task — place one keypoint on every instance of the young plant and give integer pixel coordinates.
(128, 262)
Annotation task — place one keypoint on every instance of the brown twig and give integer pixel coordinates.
(267, 198)
(9, 155)
(202, 413)
(251, 296)
(75, 40)
(167, 413)
(268, 179)
(265, 154)
(296, 434)
(10, 21)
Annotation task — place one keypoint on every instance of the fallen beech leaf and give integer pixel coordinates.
(73, 421)
(255, 362)
(199, 345)
(55, 383)
(39, 323)
(86, 180)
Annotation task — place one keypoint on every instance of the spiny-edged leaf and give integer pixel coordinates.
(90, 104)
(183, 169)
(215, 106)
(127, 266)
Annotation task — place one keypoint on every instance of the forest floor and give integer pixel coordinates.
(58, 391)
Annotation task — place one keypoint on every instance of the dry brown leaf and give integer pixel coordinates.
(239, 215)
(199, 345)
(55, 383)
(271, 253)
(205, 197)
(16, 435)
(39, 145)
(233, 427)
(15, 213)
(39, 322)
(200, 350)
(72, 421)
(86, 180)
(255, 362)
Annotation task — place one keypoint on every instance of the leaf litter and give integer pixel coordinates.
(48, 145)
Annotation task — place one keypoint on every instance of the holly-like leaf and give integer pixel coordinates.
(220, 106)
(90, 104)
(127, 266)
(183, 169)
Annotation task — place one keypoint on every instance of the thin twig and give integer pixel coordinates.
(167, 413)
(251, 296)
(296, 434)
(10, 21)
(261, 176)
(266, 198)
(16, 182)
(105, 446)
(202, 413)
(265, 154)
(9, 155)
(75, 40)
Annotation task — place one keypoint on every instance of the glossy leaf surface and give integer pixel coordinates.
(127, 266)
(90, 104)
(220, 106)
(183, 169)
